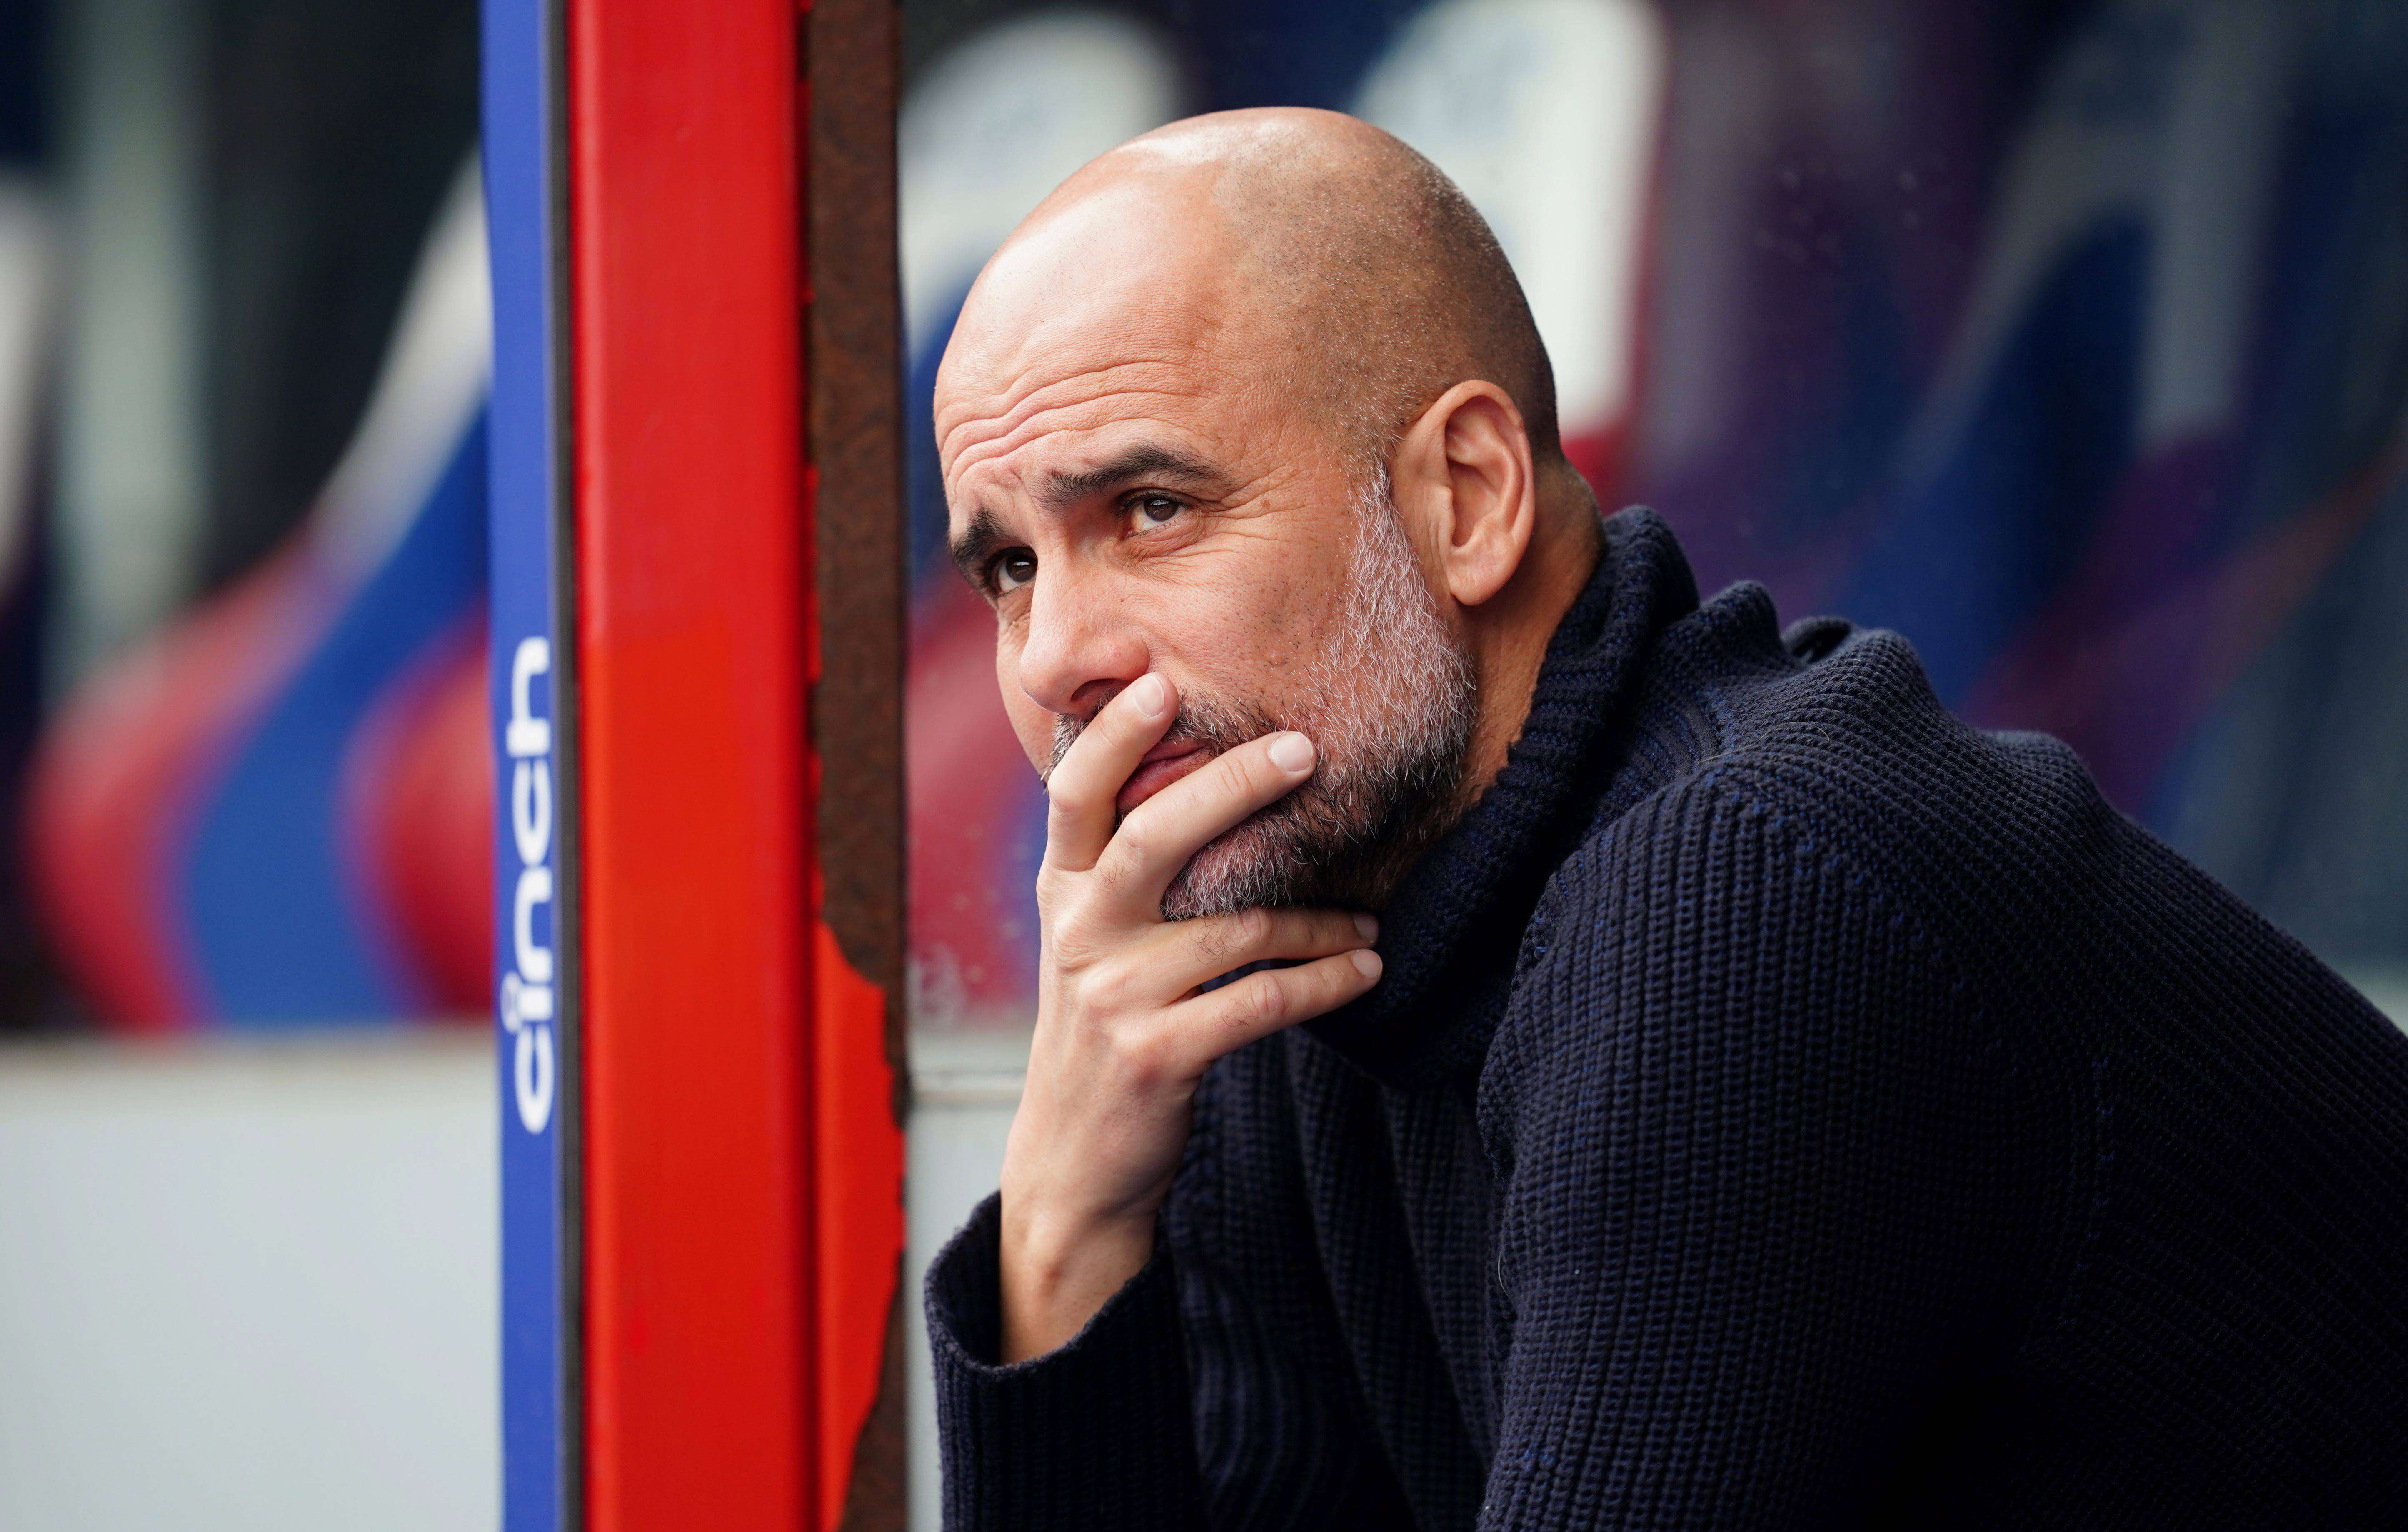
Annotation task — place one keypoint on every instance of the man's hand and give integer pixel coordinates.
(1122, 1035)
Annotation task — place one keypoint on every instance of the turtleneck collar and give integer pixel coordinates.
(1450, 934)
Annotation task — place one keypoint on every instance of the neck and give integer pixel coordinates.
(1509, 632)
(1450, 927)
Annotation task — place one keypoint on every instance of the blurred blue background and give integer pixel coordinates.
(242, 357)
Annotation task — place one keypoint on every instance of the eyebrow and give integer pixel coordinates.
(1064, 488)
(984, 536)
(979, 543)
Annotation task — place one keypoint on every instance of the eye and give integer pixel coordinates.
(1013, 569)
(1152, 510)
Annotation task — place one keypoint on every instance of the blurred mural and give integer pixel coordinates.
(276, 811)
(2069, 338)
(243, 344)
(31, 280)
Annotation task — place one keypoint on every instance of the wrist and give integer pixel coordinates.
(1057, 1271)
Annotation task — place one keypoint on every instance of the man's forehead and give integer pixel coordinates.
(1053, 464)
(1032, 421)
(1068, 396)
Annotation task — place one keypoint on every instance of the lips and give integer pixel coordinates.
(1158, 768)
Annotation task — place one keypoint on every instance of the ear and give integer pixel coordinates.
(1463, 472)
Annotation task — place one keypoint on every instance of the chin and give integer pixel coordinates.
(1246, 867)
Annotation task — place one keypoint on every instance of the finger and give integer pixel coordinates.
(1082, 785)
(1182, 954)
(1263, 1003)
(1159, 834)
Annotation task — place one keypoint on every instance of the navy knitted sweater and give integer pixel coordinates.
(1784, 1106)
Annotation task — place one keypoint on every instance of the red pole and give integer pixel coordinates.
(702, 1409)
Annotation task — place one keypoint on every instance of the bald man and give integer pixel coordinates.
(1520, 1048)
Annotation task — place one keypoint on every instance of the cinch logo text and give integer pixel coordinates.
(526, 997)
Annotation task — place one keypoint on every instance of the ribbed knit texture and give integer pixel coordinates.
(1784, 1106)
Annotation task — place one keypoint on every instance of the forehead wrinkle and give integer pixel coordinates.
(1138, 408)
(1031, 391)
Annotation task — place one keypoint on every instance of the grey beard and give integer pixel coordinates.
(1390, 708)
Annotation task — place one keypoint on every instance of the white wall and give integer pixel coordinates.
(248, 1286)
(251, 1285)
(964, 1090)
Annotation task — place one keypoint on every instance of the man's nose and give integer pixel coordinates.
(1078, 647)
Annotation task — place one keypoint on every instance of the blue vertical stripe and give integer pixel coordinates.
(520, 105)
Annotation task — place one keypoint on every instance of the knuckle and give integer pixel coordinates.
(1066, 949)
(1250, 929)
(1135, 840)
(1139, 1057)
(1240, 772)
(1225, 940)
(1264, 1000)
(1071, 932)
(1205, 941)
(1107, 987)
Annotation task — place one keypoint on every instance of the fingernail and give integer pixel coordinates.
(1366, 963)
(1369, 926)
(1291, 752)
(1150, 695)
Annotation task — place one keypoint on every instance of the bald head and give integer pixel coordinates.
(1349, 269)
(1254, 404)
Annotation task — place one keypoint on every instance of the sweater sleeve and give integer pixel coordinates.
(1754, 1207)
(1095, 1433)
(1213, 1390)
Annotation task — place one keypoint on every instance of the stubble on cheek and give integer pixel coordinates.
(1389, 701)
(1385, 695)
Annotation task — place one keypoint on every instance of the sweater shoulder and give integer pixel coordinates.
(1835, 735)
(1768, 832)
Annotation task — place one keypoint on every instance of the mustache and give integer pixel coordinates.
(1200, 722)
